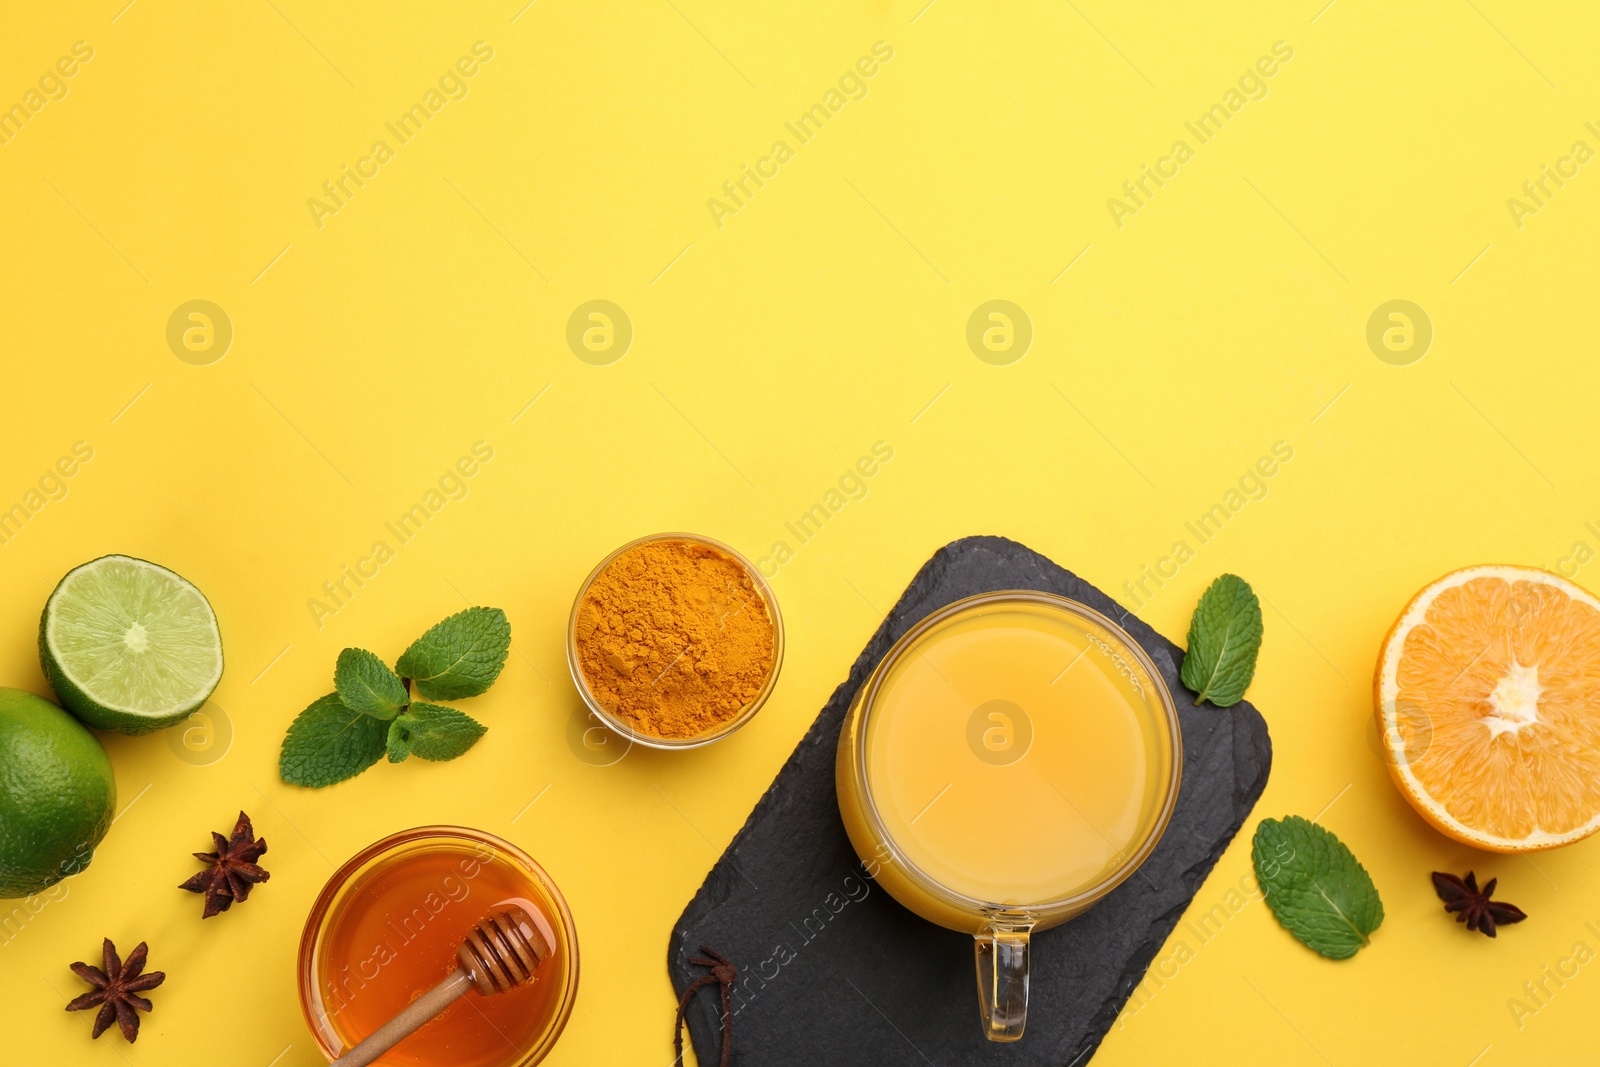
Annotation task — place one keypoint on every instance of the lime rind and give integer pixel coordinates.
(130, 646)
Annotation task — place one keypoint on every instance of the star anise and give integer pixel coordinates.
(1472, 905)
(233, 869)
(116, 989)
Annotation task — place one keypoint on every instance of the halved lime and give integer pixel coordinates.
(129, 646)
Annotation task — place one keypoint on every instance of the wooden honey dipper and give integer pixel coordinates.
(501, 953)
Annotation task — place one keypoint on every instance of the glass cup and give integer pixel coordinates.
(386, 926)
(621, 726)
(1013, 758)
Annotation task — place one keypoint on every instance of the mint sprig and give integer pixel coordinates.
(371, 713)
(1224, 638)
(1315, 886)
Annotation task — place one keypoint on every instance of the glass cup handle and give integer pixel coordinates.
(1001, 951)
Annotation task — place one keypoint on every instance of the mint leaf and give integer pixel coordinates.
(1224, 637)
(328, 743)
(399, 742)
(460, 657)
(1317, 889)
(434, 732)
(366, 684)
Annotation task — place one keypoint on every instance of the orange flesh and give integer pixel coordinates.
(1499, 707)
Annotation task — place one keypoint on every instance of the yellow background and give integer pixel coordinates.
(769, 354)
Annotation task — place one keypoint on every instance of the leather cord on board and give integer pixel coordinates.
(723, 974)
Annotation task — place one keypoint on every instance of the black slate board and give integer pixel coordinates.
(865, 981)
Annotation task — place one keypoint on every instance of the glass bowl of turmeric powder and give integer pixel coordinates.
(675, 641)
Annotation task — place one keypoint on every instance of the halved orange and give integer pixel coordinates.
(1487, 698)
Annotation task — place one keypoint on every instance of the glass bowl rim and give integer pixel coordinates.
(638, 737)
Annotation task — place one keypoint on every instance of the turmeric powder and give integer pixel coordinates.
(674, 638)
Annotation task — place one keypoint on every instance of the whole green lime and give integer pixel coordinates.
(57, 794)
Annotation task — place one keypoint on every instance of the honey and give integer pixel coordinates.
(388, 931)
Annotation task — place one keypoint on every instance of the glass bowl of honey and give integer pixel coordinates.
(385, 929)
